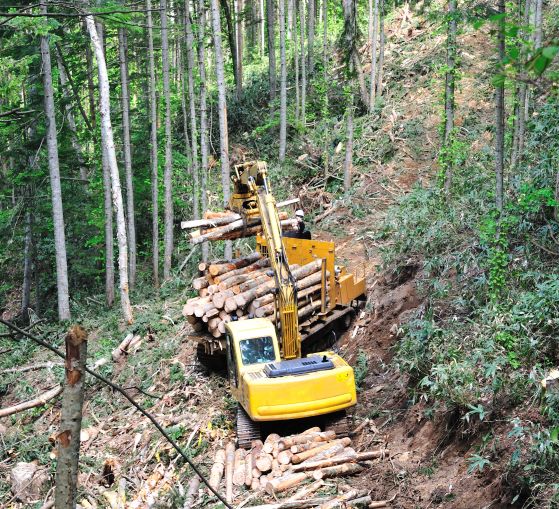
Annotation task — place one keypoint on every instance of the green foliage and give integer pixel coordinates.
(361, 369)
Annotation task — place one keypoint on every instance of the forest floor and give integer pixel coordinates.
(123, 454)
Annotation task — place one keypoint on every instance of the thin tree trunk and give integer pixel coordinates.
(203, 113)
(303, 64)
(108, 215)
(348, 163)
(108, 142)
(381, 49)
(27, 264)
(310, 35)
(70, 117)
(283, 84)
(361, 79)
(168, 174)
(122, 51)
(500, 114)
(153, 146)
(290, 19)
(231, 39)
(68, 438)
(270, 17)
(239, 32)
(222, 112)
(449, 91)
(296, 62)
(90, 83)
(184, 92)
(538, 25)
(325, 36)
(192, 105)
(373, 27)
(262, 27)
(54, 172)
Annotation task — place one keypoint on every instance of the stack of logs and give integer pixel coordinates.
(243, 288)
(280, 464)
(229, 225)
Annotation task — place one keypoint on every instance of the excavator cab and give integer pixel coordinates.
(271, 389)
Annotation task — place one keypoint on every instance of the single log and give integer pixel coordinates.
(335, 450)
(43, 399)
(303, 294)
(210, 214)
(121, 349)
(285, 482)
(226, 317)
(256, 447)
(371, 455)
(345, 469)
(229, 465)
(239, 468)
(305, 455)
(203, 292)
(361, 502)
(314, 429)
(323, 436)
(210, 313)
(264, 462)
(339, 500)
(347, 456)
(306, 491)
(213, 323)
(297, 504)
(212, 289)
(379, 503)
(202, 310)
(238, 263)
(221, 327)
(199, 283)
(218, 299)
(256, 474)
(271, 440)
(192, 493)
(248, 469)
(286, 225)
(262, 301)
(255, 485)
(217, 469)
(209, 223)
(284, 457)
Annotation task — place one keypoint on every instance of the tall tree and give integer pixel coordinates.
(296, 63)
(168, 174)
(153, 152)
(27, 263)
(325, 35)
(303, 65)
(222, 112)
(107, 140)
(310, 35)
(270, 18)
(232, 40)
(373, 38)
(283, 84)
(203, 112)
(450, 85)
(348, 161)
(125, 100)
(500, 111)
(239, 12)
(54, 172)
(192, 106)
(381, 49)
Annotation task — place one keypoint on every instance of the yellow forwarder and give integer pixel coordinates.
(269, 377)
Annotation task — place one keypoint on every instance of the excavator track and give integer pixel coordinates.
(247, 429)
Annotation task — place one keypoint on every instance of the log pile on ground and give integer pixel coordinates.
(281, 464)
(242, 288)
(229, 226)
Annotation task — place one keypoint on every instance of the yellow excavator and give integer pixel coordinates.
(269, 376)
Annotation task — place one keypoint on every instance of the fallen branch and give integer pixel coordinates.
(32, 403)
(40, 365)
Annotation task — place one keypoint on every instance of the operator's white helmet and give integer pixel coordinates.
(299, 213)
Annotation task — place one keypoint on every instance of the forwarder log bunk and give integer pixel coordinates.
(243, 288)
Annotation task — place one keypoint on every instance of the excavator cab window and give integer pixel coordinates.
(257, 350)
(231, 365)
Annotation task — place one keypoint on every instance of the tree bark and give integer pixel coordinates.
(222, 111)
(310, 35)
(500, 113)
(192, 105)
(348, 162)
(231, 38)
(90, 83)
(296, 60)
(71, 419)
(283, 84)
(203, 112)
(381, 49)
(261, 27)
(108, 143)
(125, 98)
(239, 33)
(325, 36)
(54, 172)
(450, 80)
(303, 63)
(70, 117)
(373, 27)
(270, 18)
(168, 173)
(153, 152)
(27, 265)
